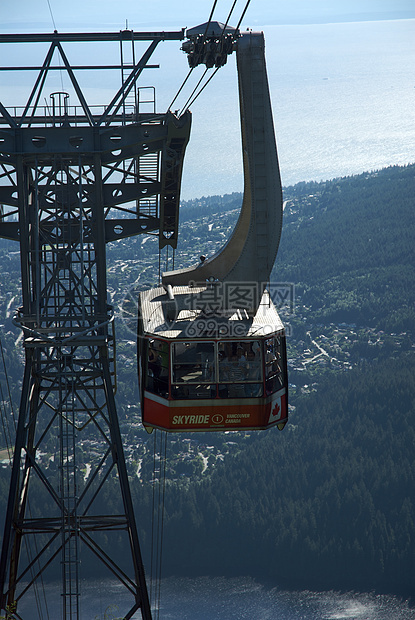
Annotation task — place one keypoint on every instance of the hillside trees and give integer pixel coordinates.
(328, 503)
(348, 247)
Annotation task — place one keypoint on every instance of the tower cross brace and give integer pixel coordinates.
(73, 178)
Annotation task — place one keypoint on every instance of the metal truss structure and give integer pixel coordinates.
(72, 178)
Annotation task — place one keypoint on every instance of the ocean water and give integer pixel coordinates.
(219, 598)
(343, 99)
(246, 599)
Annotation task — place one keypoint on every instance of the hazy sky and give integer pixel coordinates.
(31, 15)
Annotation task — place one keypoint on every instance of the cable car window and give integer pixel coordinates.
(274, 379)
(193, 362)
(158, 368)
(240, 368)
(190, 391)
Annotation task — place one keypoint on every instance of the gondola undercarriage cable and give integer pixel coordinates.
(157, 522)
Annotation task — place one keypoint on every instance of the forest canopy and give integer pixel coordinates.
(329, 502)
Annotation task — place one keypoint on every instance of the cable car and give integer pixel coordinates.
(210, 372)
(212, 349)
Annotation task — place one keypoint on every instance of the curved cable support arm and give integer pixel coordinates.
(249, 254)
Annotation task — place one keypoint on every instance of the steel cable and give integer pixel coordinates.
(152, 516)
(204, 38)
(162, 491)
(210, 19)
(8, 385)
(4, 419)
(157, 521)
(186, 105)
(181, 88)
(9, 444)
(191, 101)
(243, 14)
(193, 97)
(229, 16)
(6, 431)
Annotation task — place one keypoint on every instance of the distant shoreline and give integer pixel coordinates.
(342, 19)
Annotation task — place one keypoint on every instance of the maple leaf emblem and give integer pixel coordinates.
(276, 410)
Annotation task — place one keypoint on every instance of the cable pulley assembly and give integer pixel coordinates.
(209, 44)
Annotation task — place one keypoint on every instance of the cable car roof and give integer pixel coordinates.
(210, 29)
(180, 317)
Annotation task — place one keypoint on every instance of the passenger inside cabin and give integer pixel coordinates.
(273, 372)
(154, 360)
(158, 360)
(233, 370)
(253, 374)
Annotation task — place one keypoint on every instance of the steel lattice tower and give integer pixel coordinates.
(73, 178)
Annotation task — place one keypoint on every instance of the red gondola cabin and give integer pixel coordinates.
(210, 373)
